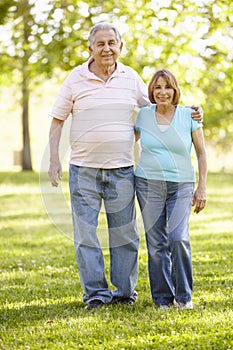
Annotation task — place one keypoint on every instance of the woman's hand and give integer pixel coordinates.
(199, 200)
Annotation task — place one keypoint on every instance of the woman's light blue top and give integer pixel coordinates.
(166, 155)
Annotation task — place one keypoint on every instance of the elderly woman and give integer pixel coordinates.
(165, 181)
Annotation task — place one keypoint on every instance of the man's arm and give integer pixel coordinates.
(54, 140)
(198, 113)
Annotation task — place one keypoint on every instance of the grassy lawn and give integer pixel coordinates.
(41, 296)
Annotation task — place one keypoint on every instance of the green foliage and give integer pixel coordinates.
(4, 8)
(193, 38)
(40, 299)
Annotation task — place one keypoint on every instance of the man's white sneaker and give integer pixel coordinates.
(182, 306)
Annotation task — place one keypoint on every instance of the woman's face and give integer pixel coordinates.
(163, 93)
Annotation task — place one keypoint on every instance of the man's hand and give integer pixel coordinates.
(55, 171)
(198, 114)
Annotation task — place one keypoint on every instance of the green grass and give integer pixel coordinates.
(41, 296)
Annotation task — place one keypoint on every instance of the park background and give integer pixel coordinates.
(42, 40)
(40, 294)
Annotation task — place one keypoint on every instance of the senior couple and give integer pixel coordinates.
(101, 96)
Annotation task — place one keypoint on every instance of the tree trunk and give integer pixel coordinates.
(26, 152)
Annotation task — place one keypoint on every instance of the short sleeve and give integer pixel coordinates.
(195, 125)
(64, 102)
(141, 91)
(137, 122)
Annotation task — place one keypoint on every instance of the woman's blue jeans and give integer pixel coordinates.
(165, 208)
(89, 187)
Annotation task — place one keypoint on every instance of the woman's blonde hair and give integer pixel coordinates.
(171, 81)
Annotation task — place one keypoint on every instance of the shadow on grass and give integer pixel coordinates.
(19, 178)
(15, 318)
(30, 313)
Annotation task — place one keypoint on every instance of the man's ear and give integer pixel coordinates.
(121, 46)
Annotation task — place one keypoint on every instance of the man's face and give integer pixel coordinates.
(105, 49)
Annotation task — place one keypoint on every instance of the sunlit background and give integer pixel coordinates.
(42, 40)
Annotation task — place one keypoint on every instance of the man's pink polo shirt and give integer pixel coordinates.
(101, 134)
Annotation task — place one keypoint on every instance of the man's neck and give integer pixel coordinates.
(103, 72)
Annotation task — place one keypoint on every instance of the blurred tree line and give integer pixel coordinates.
(192, 38)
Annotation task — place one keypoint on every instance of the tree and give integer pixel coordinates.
(18, 59)
(34, 41)
(193, 38)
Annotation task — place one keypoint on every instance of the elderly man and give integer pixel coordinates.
(101, 95)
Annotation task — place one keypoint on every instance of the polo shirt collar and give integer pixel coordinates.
(88, 74)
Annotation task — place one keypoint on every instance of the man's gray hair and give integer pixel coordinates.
(102, 26)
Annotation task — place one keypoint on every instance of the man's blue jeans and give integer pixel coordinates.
(89, 187)
(165, 208)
